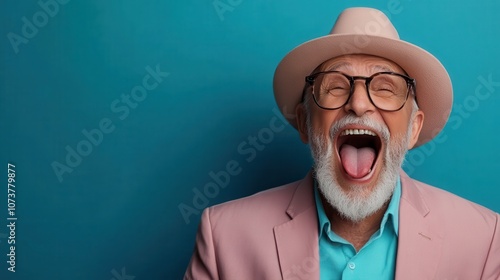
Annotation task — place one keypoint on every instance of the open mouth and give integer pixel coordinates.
(358, 150)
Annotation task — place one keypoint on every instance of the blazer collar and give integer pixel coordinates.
(303, 197)
(420, 238)
(411, 195)
(419, 242)
(297, 239)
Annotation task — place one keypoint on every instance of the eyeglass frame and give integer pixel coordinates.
(410, 82)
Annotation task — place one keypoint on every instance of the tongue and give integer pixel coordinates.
(357, 162)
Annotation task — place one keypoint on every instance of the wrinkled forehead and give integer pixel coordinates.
(369, 63)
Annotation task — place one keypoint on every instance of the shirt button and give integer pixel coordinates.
(352, 265)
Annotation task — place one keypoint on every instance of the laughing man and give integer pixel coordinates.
(361, 98)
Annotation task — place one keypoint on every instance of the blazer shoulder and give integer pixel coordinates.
(451, 205)
(467, 233)
(265, 206)
(242, 225)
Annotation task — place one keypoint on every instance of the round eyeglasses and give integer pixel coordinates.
(388, 91)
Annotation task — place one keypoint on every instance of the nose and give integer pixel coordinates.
(359, 103)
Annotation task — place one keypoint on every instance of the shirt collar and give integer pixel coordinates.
(391, 215)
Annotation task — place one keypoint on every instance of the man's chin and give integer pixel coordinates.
(357, 197)
(357, 206)
(353, 198)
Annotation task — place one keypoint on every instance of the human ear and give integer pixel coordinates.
(417, 123)
(301, 117)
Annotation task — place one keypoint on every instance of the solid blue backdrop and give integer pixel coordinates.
(119, 114)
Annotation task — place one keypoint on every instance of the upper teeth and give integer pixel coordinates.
(357, 132)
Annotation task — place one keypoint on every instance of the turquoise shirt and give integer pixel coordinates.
(377, 258)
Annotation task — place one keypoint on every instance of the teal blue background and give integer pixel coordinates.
(119, 207)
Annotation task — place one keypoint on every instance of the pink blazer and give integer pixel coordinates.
(274, 235)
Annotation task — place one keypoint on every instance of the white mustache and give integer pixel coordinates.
(381, 129)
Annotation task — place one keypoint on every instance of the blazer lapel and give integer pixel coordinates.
(297, 239)
(419, 242)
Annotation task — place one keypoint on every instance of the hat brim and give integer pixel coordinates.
(433, 85)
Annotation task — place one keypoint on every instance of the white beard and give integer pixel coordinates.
(357, 203)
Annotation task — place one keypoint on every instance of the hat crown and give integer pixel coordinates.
(364, 21)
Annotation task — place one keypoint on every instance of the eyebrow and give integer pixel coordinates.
(383, 68)
(349, 66)
(338, 65)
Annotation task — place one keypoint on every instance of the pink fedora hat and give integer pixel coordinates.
(368, 31)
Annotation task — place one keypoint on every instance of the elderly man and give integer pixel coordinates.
(361, 98)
